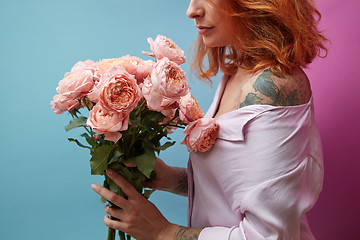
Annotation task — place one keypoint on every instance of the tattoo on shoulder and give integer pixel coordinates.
(270, 93)
(181, 186)
(185, 233)
(265, 85)
(251, 99)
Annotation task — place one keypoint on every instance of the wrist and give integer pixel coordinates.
(168, 232)
(177, 232)
(173, 178)
(179, 183)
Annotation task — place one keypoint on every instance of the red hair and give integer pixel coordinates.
(278, 34)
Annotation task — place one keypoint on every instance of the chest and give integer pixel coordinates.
(231, 97)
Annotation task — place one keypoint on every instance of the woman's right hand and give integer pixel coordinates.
(171, 179)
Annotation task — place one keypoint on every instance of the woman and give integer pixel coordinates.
(265, 169)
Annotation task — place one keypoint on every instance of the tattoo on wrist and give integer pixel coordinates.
(185, 233)
(181, 185)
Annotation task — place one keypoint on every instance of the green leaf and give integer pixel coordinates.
(146, 162)
(116, 155)
(165, 146)
(105, 185)
(155, 125)
(137, 184)
(99, 160)
(155, 116)
(122, 170)
(156, 139)
(79, 143)
(102, 200)
(135, 122)
(114, 187)
(151, 119)
(148, 192)
(78, 122)
(89, 139)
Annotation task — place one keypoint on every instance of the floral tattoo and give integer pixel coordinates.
(185, 233)
(273, 90)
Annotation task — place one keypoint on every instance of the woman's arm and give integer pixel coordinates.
(138, 217)
(170, 179)
(185, 233)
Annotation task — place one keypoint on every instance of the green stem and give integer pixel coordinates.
(135, 131)
(90, 132)
(122, 235)
(174, 125)
(73, 115)
(171, 122)
(111, 234)
(86, 103)
(133, 140)
(140, 108)
(134, 137)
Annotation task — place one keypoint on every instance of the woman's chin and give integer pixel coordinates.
(211, 43)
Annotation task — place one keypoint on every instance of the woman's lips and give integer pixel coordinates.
(203, 29)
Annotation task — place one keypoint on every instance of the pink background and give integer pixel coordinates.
(336, 89)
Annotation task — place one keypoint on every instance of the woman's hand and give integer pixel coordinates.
(137, 216)
(171, 179)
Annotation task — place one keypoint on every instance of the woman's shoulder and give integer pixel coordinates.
(266, 88)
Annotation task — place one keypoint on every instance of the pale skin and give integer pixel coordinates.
(140, 218)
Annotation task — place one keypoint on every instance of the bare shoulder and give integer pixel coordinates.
(266, 88)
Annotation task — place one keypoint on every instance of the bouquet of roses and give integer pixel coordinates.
(133, 104)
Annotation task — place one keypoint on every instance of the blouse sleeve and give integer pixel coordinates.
(283, 176)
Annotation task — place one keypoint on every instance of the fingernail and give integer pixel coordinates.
(94, 186)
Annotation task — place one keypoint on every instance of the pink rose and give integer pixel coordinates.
(169, 80)
(76, 85)
(155, 101)
(62, 104)
(200, 135)
(144, 70)
(86, 65)
(189, 109)
(105, 64)
(165, 47)
(133, 65)
(118, 90)
(93, 95)
(107, 122)
(169, 129)
(169, 114)
(137, 67)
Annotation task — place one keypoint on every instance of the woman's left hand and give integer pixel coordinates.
(137, 216)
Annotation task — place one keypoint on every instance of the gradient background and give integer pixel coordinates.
(45, 180)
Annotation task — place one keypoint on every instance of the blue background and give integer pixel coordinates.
(45, 180)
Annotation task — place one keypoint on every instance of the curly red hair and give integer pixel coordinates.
(278, 34)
